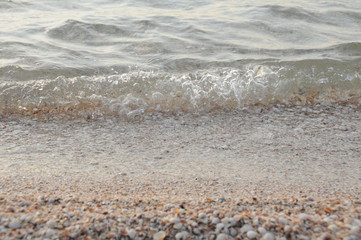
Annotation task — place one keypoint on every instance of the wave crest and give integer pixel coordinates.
(143, 92)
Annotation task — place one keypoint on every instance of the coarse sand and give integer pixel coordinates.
(280, 173)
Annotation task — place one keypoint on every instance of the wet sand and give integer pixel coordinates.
(165, 175)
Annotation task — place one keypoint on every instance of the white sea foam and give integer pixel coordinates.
(141, 92)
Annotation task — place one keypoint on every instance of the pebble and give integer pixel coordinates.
(325, 236)
(3, 229)
(50, 233)
(159, 235)
(303, 216)
(220, 227)
(348, 238)
(177, 226)
(327, 220)
(282, 221)
(222, 236)
(51, 224)
(256, 220)
(262, 230)
(268, 236)
(132, 233)
(333, 227)
(74, 235)
(41, 198)
(15, 224)
(215, 220)
(252, 234)
(196, 231)
(174, 220)
(202, 215)
(25, 218)
(287, 229)
(355, 230)
(182, 235)
(233, 232)
(246, 228)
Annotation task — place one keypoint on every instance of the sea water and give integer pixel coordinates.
(134, 57)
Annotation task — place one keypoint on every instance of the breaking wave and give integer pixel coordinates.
(144, 92)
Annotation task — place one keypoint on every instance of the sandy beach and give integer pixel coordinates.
(280, 173)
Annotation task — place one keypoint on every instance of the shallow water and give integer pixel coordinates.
(138, 57)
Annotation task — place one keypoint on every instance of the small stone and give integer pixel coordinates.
(325, 236)
(262, 230)
(177, 226)
(222, 236)
(73, 235)
(283, 221)
(355, 230)
(25, 218)
(333, 227)
(287, 229)
(3, 230)
(182, 235)
(215, 220)
(132, 233)
(246, 228)
(220, 227)
(15, 224)
(202, 215)
(181, 212)
(51, 224)
(233, 232)
(303, 216)
(159, 235)
(268, 236)
(193, 223)
(50, 233)
(196, 231)
(252, 234)
(204, 220)
(174, 220)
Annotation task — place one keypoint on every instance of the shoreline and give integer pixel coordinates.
(214, 162)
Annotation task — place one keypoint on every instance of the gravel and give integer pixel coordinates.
(265, 174)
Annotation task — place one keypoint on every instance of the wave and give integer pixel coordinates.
(144, 92)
